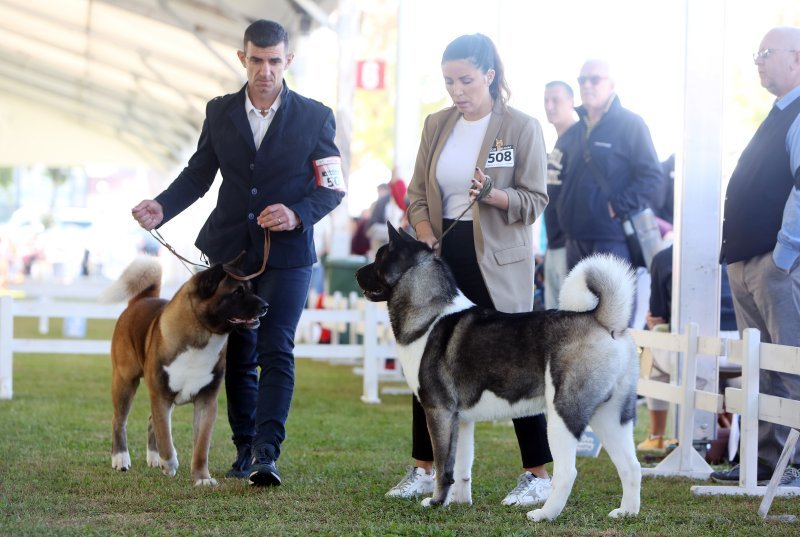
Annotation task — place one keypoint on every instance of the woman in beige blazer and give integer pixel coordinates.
(490, 249)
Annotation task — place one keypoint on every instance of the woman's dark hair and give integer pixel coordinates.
(480, 51)
(263, 33)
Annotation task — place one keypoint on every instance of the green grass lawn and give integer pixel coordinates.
(339, 459)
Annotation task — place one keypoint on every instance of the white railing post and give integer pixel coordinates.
(370, 354)
(751, 372)
(685, 460)
(44, 319)
(6, 350)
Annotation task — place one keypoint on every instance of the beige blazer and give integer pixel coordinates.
(503, 239)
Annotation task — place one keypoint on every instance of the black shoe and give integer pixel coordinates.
(763, 475)
(263, 472)
(240, 468)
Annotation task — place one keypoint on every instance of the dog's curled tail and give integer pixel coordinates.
(604, 283)
(142, 278)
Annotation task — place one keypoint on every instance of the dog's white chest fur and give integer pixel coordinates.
(411, 355)
(193, 369)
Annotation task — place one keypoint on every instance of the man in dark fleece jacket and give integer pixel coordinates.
(614, 142)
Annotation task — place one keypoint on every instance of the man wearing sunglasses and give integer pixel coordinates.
(761, 236)
(609, 169)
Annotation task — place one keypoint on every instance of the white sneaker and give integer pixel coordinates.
(530, 490)
(416, 482)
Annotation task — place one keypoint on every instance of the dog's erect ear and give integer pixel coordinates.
(208, 281)
(406, 236)
(394, 236)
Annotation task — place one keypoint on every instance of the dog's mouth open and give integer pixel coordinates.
(247, 324)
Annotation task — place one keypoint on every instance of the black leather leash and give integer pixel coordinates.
(485, 189)
(227, 267)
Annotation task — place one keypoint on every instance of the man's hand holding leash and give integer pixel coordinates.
(278, 217)
(149, 214)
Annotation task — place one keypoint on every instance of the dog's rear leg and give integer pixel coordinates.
(462, 472)
(443, 428)
(205, 414)
(161, 416)
(122, 392)
(563, 446)
(618, 441)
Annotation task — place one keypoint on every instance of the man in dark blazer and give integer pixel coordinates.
(281, 172)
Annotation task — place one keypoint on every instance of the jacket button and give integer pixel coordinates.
(251, 216)
(254, 191)
(252, 166)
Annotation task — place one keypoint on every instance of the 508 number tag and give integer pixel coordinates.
(502, 157)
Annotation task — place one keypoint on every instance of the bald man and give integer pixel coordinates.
(761, 235)
(609, 169)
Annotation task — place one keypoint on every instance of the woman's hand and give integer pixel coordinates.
(478, 182)
(495, 197)
(424, 233)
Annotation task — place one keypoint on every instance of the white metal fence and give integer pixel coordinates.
(747, 401)
(360, 334)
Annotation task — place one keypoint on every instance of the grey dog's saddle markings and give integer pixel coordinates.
(467, 364)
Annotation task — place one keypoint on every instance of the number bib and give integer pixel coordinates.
(329, 173)
(502, 157)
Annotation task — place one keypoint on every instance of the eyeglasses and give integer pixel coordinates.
(765, 53)
(593, 79)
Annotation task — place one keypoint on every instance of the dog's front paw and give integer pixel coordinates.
(538, 515)
(205, 482)
(169, 467)
(427, 502)
(461, 492)
(153, 460)
(620, 512)
(121, 461)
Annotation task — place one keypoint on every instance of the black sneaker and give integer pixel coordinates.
(240, 469)
(263, 472)
(763, 475)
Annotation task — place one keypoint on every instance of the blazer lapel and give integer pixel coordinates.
(278, 121)
(495, 122)
(238, 117)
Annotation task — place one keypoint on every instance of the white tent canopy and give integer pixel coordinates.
(122, 81)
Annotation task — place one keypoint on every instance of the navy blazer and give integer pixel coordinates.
(281, 171)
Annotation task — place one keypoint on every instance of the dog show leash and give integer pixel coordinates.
(485, 189)
(227, 267)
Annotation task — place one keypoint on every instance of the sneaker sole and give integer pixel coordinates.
(413, 495)
(265, 479)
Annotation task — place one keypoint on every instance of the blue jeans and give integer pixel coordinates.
(258, 405)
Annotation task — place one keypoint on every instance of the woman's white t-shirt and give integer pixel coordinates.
(455, 168)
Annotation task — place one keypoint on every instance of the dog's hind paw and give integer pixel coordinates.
(620, 512)
(121, 461)
(153, 460)
(205, 482)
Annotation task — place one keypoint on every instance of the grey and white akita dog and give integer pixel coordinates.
(467, 364)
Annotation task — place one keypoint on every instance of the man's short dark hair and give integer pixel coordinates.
(560, 83)
(263, 33)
